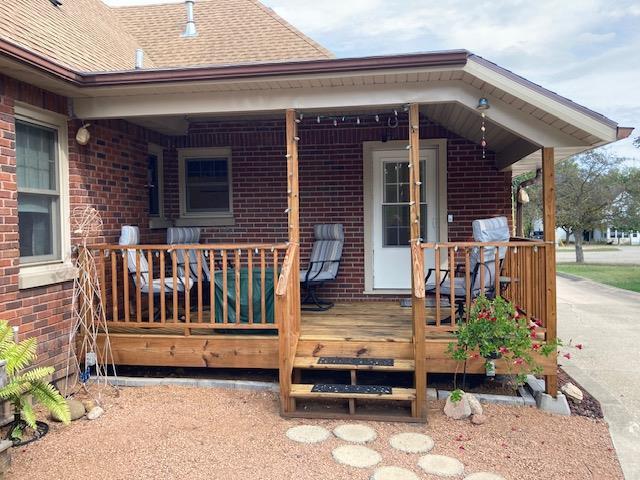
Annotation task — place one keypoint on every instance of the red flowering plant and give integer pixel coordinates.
(497, 329)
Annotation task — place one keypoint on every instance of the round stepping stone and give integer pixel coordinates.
(441, 465)
(356, 456)
(412, 442)
(483, 476)
(308, 434)
(393, 473)
(355, 433)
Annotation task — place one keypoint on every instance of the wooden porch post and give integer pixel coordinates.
(289, 302)
(417, 265)
(549, 225)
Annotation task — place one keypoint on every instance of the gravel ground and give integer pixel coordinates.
(180, 432)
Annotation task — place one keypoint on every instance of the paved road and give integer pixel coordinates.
(625, 254)
(606, 321)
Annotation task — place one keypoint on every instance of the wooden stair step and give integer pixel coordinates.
(399, 365)
(305, 391)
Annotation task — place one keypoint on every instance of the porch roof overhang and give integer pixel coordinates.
(523, 117)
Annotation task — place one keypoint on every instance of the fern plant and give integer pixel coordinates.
(32, 383)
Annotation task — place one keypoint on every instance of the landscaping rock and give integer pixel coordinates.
(308, 434)
(76, 408)
(573, 392)
(89, 405)
(355, 433)
(457, 410)
(95, 413)
(356, 456)
(441, 465)
(479, 419)
(393, 473)
(474, 404)
(411, 442)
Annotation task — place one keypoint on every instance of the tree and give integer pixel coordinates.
(588, 187)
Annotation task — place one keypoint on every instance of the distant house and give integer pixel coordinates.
(223, 120)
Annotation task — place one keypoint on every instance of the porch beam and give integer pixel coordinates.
(549, 225)
(417, 265)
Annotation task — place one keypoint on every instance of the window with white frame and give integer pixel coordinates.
(38, 192)
(205, 183)
(42, 172)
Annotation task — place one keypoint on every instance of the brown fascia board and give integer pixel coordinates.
(228, 72)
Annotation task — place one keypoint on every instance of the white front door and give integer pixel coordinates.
(390, 226)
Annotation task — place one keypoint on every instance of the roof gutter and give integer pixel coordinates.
(228, 72)
(623, 132)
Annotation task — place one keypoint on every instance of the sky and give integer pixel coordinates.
(585, 50)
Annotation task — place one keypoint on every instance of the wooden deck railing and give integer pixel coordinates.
(288, 317)
(518, 275)
(216, 286)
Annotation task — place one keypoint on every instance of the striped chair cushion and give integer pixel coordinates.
(328, 248)
(186, 236)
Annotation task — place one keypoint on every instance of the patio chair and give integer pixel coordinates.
(130, 235)
(323, 264)
(486, 230)
(187, 236)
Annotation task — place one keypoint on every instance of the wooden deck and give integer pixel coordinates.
(358, 329)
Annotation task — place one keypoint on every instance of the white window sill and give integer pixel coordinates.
(157, 222)
(222, 220)
(41, 275)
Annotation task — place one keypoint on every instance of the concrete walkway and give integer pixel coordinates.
(606, 320)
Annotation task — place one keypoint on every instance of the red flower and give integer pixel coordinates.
(493, 319)
(538, 322)
(503, 350)
(567, 356)
(535, 347)
(534, 334)
(475, 355)
(518, 361)
(579, 346)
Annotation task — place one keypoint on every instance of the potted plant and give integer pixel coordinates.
(496, 329)
(22, 386)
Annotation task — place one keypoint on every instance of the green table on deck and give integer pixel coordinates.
(244, 296)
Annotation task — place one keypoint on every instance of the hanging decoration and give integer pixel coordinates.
(483, 106)
(389, 119)
(86, 362)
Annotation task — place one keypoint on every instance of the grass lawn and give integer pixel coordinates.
(621, 276)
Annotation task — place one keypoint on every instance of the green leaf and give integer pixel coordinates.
(28, 415)
(48, 396)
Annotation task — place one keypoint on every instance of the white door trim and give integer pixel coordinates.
(440, 144)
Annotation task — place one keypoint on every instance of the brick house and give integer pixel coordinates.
(166, 107)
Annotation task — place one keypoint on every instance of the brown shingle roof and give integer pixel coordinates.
(229, 31)
(81, 34)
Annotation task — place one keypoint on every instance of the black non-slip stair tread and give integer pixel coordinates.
(356, 389)
(353, 363)
(384, 362)
(299, 390)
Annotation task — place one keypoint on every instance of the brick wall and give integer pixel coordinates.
(331, 184)
(109, 173)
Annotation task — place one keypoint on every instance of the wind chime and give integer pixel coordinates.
(483, 106)
(85, 361)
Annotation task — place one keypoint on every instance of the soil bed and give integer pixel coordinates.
(174, 432)
(589, 407)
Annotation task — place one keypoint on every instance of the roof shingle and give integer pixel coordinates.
(229, 32)
(81, 34)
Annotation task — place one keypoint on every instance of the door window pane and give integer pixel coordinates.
(207, 185)
(395, 206)
(154, 185)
